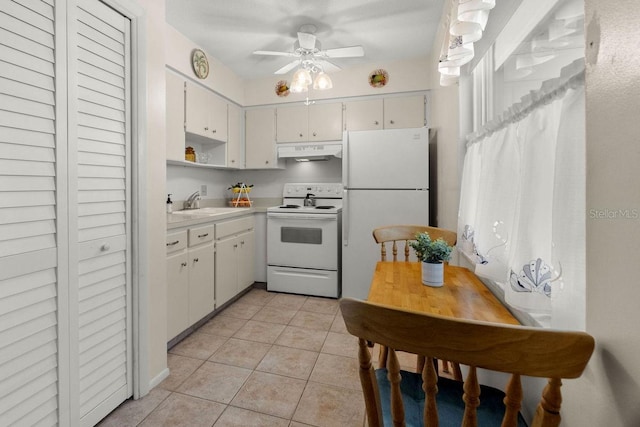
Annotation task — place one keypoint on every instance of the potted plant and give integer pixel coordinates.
(433, 254)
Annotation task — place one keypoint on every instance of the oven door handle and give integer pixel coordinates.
(296, 216)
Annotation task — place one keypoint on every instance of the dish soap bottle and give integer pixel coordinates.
(169, 204)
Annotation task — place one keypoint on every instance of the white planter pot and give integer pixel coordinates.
(433, 274)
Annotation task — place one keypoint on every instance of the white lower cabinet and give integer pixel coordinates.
(235, 245)
(190, 278)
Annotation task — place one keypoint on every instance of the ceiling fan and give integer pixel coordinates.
(308, 52)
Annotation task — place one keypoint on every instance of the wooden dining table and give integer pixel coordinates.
(463, 295)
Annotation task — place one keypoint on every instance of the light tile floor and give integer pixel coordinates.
(269, 359)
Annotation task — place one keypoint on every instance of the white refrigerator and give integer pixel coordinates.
(386, 181)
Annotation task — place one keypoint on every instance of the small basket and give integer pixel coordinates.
(240, 203)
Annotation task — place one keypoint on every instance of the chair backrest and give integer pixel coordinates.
(517, 350)
(405, 233)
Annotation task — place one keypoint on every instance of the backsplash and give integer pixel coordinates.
(182, 180)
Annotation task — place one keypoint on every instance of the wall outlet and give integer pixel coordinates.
(203, 190)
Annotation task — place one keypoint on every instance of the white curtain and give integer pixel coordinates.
(523, 201)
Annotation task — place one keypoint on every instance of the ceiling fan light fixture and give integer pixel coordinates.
(298, 87)
(322, 81)
(302, 77)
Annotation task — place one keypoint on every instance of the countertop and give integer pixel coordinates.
(215, 212)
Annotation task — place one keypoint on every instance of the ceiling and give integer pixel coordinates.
(230, 30)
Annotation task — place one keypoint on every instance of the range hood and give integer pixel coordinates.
(310, 151)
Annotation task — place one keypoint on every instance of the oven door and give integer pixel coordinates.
(302, 240)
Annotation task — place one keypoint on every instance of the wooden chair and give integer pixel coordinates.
(395, 397)
(405, 233)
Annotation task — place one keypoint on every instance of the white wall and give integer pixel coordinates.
(153, 213)
(445, 142)
(404, 76)
(221, 79)
(609, 392)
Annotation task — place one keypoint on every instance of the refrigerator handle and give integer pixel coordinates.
(345, 160)
(346, 218)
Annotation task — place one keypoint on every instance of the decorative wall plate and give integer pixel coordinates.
(282, 88)
(200, 63)
(378, 78)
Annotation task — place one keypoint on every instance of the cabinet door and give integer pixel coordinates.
(260, 131)
(234, 140)
(325, 122)
(175, 116)
(226, 271)
(201, 282)
(217, 108)
(292, 124)
(404, 112)
(197, 113)
(177, 294)
(246, 246)
(364, 115)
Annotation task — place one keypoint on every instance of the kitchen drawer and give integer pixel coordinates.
(229, 228)
(200, 235)
(176, 241)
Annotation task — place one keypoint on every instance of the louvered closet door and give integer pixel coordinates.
(102, 209)
(28, 288)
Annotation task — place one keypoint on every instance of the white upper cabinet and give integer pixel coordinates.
(404, 112)
(206, 114)
(321, 122)
(325, 122)
(388, 113)
(364, 115)
(260, 139)
(175, 116)
(234, 141)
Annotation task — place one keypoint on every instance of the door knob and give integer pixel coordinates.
(105, 247)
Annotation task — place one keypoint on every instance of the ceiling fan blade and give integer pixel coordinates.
(273, 53)
(344, 52)
(307, 41)
(290, 66)
(328, 67)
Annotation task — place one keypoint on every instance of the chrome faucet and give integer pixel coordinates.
(193, 201)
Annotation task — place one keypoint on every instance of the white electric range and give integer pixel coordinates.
(303, 242)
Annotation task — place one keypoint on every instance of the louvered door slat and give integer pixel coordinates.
(27, 46)
(26, 60)
(39, 7)
(28, 16)
(26, 137)
(28, 32)
(21, 151)
(27, 107)
(24, 75)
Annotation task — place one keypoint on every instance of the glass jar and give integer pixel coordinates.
(190, 154)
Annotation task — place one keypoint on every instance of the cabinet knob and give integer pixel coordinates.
(184, 264)
(214, 131)
(391, 121)
(300, 135)
(235, 246)
(195, 260)
(315, 134)
(266, 162)
(375, 122)
(105, 247)
(233, 161)
(206, 128)
(242, 242)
